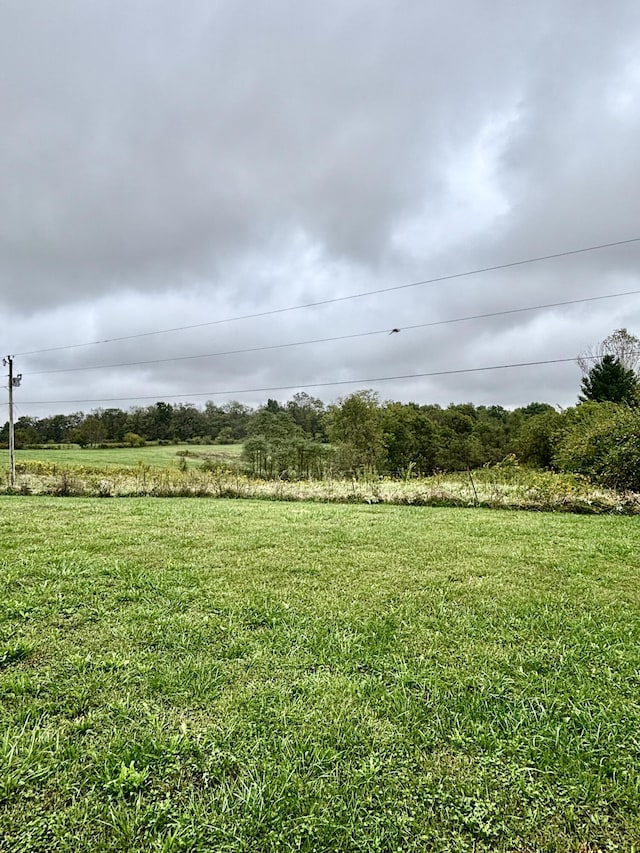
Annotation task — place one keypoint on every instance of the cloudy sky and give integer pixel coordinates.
(167, 169)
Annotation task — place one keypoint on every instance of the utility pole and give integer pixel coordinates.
(14, 382)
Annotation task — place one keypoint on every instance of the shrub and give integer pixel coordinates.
(132, 439)
(225, 436)
(535, 442)
(602, 441)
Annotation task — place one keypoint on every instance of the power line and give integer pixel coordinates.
(363, 294)
(336, 338)
(326, 384)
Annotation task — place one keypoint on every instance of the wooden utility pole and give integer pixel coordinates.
(14, 382)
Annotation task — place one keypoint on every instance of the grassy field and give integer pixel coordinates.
(160, 456)
(185, 675)
(217, 471)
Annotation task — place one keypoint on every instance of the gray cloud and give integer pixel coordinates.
(165, 164)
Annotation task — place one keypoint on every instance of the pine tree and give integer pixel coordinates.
(608, 380)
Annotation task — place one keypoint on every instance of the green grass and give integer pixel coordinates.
(160, 456)
(185, 675)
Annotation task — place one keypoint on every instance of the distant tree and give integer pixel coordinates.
(114, 421)
(236, 417)
(138, 422)
(273, 424)
(536, 440)
(533, 409)
(160, 417)
(58, 428)
(25, 431)
(459, 447)
(273, 406)
(610, 381)
(309, 413)
(214, 419)
(92, 431)
(256, 452)
(410, 439)
(600, 441)
(133, 439)
(187, 422)
(225, 436)
(622, 345)
(356, 429)
(276, 446)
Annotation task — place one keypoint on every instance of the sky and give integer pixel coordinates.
(179, 180)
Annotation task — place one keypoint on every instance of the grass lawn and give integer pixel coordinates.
(154, 455)
(196, 675)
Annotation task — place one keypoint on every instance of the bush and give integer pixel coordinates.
(132, 439)
(602, 441)
(535, 442)
(225, 436)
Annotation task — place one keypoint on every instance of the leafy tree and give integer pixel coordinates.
(309, 413)
(270, 449)
(410, 439)
(92, 431)
(113, 421)
(458, 446)
(256, 453)
(273, 424)
(600, 441)
(214, 420)
(58, 428)
(533, 409)
(536, 440)
(225, 436)
(133, 439)
(138, 422)
(356, 429)
(236, 417)
(25, 432)
(278, 447)
(160, 417)
(274, 406)
(610, 380)
(187, 422)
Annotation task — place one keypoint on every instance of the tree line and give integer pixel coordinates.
(599, 437)
(361, 433)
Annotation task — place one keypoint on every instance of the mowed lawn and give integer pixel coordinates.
(200, 675)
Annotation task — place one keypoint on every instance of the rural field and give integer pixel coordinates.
(223, 675)
(217, 471)
(154, 455)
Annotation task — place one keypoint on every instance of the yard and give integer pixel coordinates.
(197, 675)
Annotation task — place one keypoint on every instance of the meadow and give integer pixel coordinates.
(155, 455)
(217, 471)
(198, 675)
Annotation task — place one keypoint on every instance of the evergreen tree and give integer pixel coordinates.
(610, 381)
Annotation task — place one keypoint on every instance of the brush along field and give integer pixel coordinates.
(185, 675)
(208, 472)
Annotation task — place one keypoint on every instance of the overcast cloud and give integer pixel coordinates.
(168, 164)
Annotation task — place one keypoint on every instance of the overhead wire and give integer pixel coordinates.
(323, 384)
(337, 338)
(336, 299)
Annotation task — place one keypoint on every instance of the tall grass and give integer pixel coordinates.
(502, 486)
